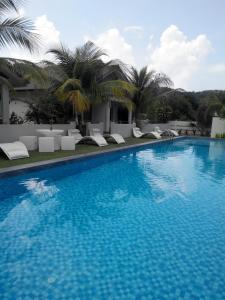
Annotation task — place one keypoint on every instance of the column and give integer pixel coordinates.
(5, 104)
(129, 116)
(107, 117)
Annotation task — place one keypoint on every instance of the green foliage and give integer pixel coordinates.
(160, 111)
(148, 85)
(15, 119)
(48, 110)
(222, 112)
(208, 106)
(220, 135)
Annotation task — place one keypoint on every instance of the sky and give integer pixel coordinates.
(184, 39)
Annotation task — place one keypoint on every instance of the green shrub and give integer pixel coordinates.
(220, 135)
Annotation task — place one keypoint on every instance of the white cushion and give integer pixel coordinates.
(31, 142)
(67, 143)
(46, 144)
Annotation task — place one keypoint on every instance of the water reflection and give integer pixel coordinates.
(169, 175)
(23, 221)
(40, 187)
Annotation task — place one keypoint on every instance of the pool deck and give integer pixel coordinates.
(44, 163)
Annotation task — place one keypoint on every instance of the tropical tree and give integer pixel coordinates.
(208, 107)
(16, 31)
(148, 85)
(82, 78)
(47, 109)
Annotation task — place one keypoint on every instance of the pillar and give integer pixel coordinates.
(5, 104)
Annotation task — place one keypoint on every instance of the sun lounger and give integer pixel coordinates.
(115, 138)
(167, 132)
(14, 150)
(152, 134)
(96, 139)
(76, 134)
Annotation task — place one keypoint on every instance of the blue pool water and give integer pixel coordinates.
(143, 224)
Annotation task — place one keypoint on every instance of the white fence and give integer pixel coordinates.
(170, 125)
(124, 129)
(90, 127)
(218, 126)
(11, 133)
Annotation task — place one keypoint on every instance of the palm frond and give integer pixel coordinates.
(18, 32)
(89, 52)
(71, 90)
(125, 102)
(70, 84)
(80, 101)
(116, 88)
(8, 5)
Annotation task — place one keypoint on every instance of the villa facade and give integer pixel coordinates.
(110, 116)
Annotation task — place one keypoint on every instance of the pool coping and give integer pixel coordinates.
(51, 162)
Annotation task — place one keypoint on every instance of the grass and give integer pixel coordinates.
(36, 156)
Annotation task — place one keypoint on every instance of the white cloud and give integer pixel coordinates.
(150, 46)
(115, 45)
(49, 37)
(177, 56)
(47, 31)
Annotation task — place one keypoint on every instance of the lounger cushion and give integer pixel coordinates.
(14, 150)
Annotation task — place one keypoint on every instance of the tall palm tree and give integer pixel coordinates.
(84, 79)
(17, 30)
(148, 84)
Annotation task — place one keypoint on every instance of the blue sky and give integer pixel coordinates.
(185, 39)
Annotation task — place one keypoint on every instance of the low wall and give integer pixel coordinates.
(124, 129)
(151, 127)
(218, 126)
(180, 124)
(11, 133)
(170, 125)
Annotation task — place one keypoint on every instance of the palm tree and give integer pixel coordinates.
(148, 85)
(16, 31)
(84, 79)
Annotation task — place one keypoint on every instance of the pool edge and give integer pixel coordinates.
(51, 162)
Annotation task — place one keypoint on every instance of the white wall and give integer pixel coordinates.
(218, 126)
(101, 114)
(124, 129)
(90, 126)
(151, 127)
(170, 125)
(18, 107)
(11, 133)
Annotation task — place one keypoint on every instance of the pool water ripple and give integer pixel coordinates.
(142, 224)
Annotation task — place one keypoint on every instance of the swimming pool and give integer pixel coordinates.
(146, 223)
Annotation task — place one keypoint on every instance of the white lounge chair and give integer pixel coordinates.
(114, 138)
(137, 133)
(14, 150)
(76, 134)
(170, 132)
(97, 139)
